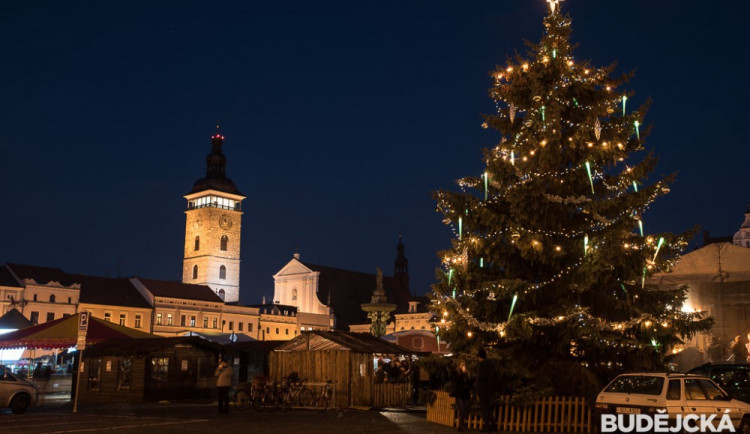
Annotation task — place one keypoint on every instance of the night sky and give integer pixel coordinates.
(340, 118)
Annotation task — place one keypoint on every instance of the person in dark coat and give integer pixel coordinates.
(462, 393)
(486, 379)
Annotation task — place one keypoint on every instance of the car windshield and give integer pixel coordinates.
(640, 384)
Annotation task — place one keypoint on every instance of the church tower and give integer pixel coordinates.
(401, 265)
(212, 229)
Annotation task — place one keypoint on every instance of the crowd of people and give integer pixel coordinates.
(393, 371)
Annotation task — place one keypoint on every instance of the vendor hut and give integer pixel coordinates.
(250, 359)
(349, 360)
(153, 369)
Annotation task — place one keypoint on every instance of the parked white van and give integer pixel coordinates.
(680, 397)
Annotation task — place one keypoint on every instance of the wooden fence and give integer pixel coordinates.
(553, 414)
(391, 394)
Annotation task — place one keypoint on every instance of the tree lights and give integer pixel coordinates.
(543, 256)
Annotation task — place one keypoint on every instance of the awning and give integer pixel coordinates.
(63, 333)
(720, 262)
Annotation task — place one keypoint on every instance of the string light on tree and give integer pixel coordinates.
(540, 254)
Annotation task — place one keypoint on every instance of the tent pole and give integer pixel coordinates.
(78, 381)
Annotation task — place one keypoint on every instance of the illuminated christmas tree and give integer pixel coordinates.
(550, 261)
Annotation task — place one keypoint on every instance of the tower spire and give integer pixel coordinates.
(216, 162)
(401, 265)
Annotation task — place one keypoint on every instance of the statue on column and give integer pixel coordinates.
(379, 310)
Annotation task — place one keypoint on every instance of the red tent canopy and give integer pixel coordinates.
(63, 333)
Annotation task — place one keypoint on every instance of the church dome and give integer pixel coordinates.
(216, 163)
(221, 184)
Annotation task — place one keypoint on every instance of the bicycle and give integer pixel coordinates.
(256, 396)
(242, 399)
(250, 395)
(324, 400)
(272, 397)
(296, 394)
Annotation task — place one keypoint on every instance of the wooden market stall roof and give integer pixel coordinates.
(318, 340)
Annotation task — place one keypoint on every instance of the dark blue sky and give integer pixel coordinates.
(340, 118)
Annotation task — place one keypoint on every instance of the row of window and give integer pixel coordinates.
(168, 320)
(223, 245)
(34, 317)
(222, 272)
(122, 320)
(215, 202)
(286, 331)
(230, 326)
(52, 298)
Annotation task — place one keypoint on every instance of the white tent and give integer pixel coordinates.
(714, 263)
(718, 280)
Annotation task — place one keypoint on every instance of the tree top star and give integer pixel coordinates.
(553, 4)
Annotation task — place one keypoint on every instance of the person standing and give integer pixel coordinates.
(223, 382)
(486, 379)
(462, 393)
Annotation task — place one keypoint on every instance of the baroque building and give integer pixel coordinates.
(213, 223)
(332, 297)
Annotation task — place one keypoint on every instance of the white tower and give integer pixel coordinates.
(212, 229)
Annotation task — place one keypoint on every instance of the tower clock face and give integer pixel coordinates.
(225, 222)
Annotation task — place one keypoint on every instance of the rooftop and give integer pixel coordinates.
(173, 289)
